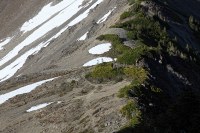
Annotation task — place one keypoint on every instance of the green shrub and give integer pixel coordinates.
(125, 15)
(110, 37)
(131, 112)
(137, 74)
(128, 57)
(128, 109)
(124, 54)
(156, 90)
(131, 2)
(117, 44)
(132, 35)
(194, 25)
(146, 29)
(132, 55)
(123, 92)
(104, 72)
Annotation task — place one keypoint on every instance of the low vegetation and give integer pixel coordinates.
(117, 44)
(195, 26)
(137, 74)
(126, 15)
(130, 110)
(131, 56)
(157, 113)
(149, 108)
(105, 72)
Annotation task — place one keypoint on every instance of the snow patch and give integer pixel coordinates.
(101, 48)
(84, 14)
(45, 14)
(105, 17)
(4, 42)
(87, 4)
(97, 61)
(37, 107)
(59, 102)
(22, 90)
(8, 71)
(54, 22)
(82, 38)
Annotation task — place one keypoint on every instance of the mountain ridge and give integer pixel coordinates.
(146, 81)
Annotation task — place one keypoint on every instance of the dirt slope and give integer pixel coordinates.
(78, 105)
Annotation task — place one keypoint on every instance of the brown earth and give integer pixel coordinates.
(85, 106)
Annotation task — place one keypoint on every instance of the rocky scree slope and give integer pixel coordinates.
(151, 86)
(44, 45)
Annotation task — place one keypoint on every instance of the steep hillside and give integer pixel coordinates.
(44, 45)
(168, 100)
(99, 66)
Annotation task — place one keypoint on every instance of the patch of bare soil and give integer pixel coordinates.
(82, 106)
